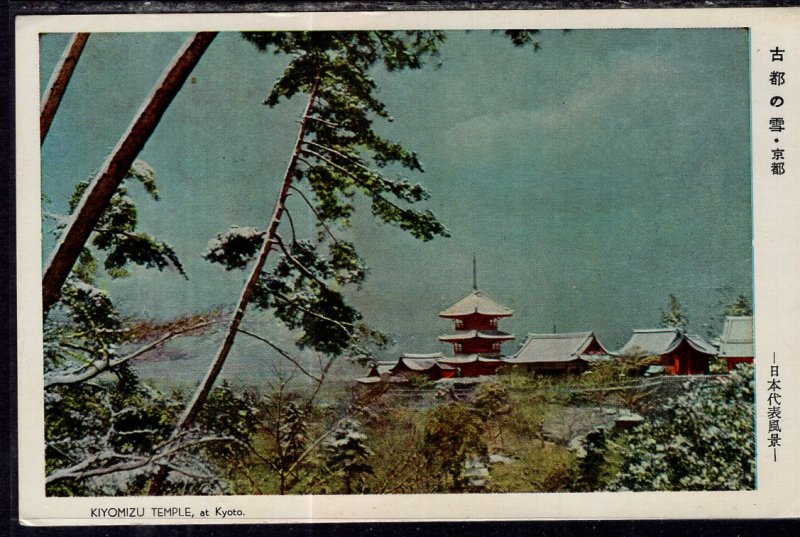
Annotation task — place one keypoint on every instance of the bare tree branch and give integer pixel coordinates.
(326, 122)
(96, 367)
(281, 352)
(291, 225)
(81, 471)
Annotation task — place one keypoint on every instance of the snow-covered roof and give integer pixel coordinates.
(369, 380)
(425, 356)
(658, 341)
(554, 348)
(468, 359)
(477, 302)
(381, 368)
(419, 365)
(737, 337)
(410, 361)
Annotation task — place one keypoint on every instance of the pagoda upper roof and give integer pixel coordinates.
(477, 334)
(477, 302)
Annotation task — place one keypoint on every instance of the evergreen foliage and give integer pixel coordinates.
(116, 235)
(703, 441)
(346, 453)
(105, 423)
(104, 429)
(592, 461)
(231, 414)
(105, 436)
(675, 316)
(521, 38)
(739, 307)
(342, 153)
(107, 433)
(338, 155)
(731, 303)
(84, 331)
(285, 420)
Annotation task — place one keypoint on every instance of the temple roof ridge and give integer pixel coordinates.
(477, 302)
(556, 347)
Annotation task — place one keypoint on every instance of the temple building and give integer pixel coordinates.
(477, 343)
(572, 352)
(429, 365)
(475, 317)
(680, 353)
(736, 346)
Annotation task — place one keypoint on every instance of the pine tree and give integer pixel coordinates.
(103, 428)
(676, 316)
(99, 192)
(346, 453)
(336, 155)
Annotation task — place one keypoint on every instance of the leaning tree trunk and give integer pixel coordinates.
(59, 81)
(201, 394)
(97, 196)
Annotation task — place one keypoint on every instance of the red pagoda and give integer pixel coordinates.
(475, 318)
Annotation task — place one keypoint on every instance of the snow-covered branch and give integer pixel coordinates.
(96, 367)
(83, 469)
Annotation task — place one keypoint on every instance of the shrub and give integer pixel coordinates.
(452, 437)
(703, 441)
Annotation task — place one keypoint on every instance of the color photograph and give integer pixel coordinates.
(397, 262)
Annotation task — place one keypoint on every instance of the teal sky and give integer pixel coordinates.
(592, 178)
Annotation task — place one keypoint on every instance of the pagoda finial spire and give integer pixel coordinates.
(474, 273)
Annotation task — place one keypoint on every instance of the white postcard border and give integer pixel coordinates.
(777, 294)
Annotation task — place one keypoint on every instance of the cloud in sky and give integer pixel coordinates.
(637, 114)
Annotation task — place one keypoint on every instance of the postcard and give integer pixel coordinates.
(408, 266)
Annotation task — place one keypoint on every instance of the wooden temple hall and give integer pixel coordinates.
(477, 347)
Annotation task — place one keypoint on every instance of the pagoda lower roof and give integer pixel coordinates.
(417, 364)
(470, 359)
(422, 356)
(495, 335)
